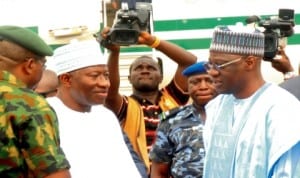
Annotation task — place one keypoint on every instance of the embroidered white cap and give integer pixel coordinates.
(77, 55)
(238, 40)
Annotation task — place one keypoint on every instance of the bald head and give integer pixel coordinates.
(48, 82)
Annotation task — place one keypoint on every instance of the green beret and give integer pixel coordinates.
(25, 38)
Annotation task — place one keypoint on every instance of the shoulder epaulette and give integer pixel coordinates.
(170, 113)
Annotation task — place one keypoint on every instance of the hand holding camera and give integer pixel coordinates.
(128, 25)
(276, 29)
(102, 36)
(143, 38)
(281, 62)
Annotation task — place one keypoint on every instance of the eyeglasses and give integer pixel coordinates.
(209, 66)
(42, 62)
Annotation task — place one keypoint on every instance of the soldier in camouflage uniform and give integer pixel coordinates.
(178, 151)
(29, 138)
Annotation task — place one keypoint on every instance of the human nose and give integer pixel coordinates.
(209, 66)
(103, 81)
(212, 71)
(203, 85)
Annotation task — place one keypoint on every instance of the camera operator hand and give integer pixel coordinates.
(146, 38)
(102, 38)
(281, 62)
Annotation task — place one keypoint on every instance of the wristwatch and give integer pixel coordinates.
(289, 75)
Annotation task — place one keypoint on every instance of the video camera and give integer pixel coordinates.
(128, 23)
(276, 30)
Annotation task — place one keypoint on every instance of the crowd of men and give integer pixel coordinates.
(215, 118)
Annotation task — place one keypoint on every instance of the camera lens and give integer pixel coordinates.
(124, 36)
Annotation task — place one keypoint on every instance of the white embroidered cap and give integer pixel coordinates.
(238, 39)
(77, 55)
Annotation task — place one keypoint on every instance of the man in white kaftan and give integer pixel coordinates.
(89, 132)
(253, 127)
(93, 142)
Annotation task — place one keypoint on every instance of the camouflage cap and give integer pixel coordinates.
(25, 38)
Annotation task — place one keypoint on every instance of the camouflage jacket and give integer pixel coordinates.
(179, 142)
(29, 138)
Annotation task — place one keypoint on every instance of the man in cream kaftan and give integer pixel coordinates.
(260, 141)
(252, 128)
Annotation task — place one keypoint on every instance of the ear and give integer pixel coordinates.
(28, 66)
(65, 79)
(250, 62)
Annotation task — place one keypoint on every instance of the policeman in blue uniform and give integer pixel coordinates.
(178, 150)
